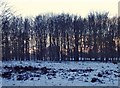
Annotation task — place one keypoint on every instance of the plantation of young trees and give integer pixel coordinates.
(61, 37)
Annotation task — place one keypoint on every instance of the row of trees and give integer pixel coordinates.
(61, 37)
(5, 13)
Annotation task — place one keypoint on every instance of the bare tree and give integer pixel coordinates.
(5, 16)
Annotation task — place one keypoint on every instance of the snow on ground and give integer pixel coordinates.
(0, 74)
(46, 73)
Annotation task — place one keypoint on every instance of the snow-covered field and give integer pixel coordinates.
(46, 73)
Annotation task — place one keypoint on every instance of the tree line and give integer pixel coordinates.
(60, 37)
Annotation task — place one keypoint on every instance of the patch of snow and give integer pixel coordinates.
(48, 73)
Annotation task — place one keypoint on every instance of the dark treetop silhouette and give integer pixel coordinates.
(61, 37)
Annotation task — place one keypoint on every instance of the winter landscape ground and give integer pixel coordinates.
(47, 73)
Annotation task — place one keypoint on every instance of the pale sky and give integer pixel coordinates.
(79, 7)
